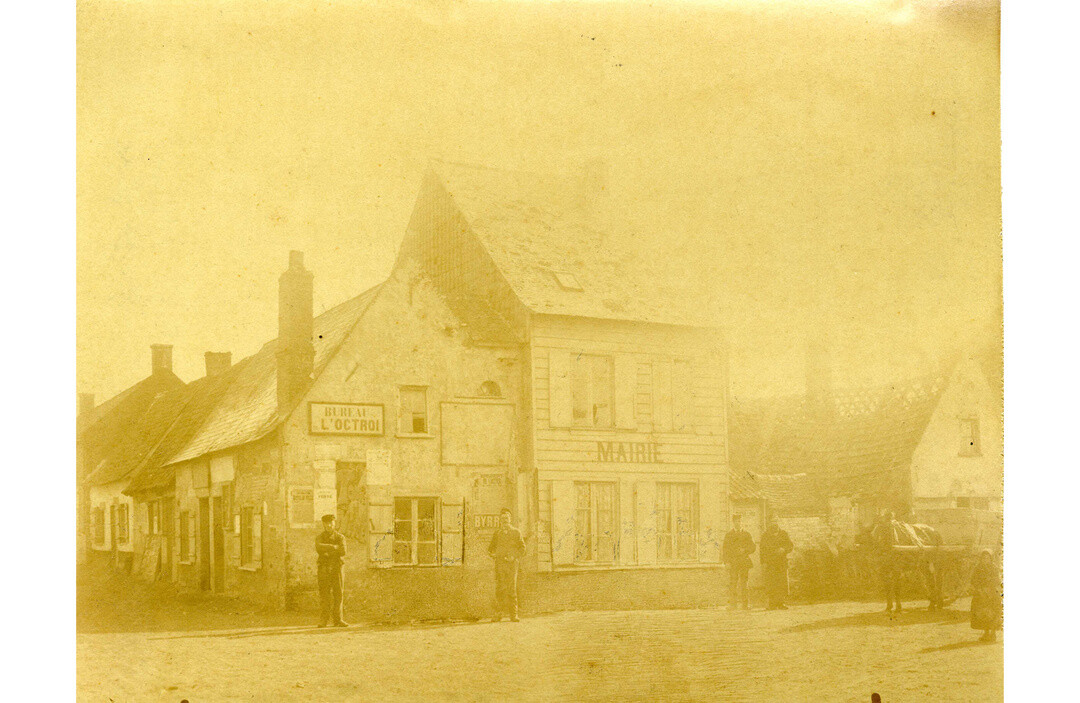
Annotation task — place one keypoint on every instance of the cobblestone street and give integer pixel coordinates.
(136, 646)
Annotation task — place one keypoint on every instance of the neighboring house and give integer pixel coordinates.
(515, 357)
(105, 438)
(931, 445)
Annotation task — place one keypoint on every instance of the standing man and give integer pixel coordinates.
(738, 546)
(888, 560)
(330, 544)
(506, 548)
(775, 547)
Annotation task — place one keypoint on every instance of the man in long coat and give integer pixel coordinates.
(775, 547)
(506, 548)
(738, 546)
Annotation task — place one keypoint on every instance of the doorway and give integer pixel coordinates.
(204, 544)
(218, 564)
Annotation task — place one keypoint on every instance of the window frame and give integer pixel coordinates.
(414, 542)
(594, 535)
(402, 432)
(123, 524)
(586, 362)
(970, 442)
(670, 531)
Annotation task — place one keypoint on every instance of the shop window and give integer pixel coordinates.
(250, 536)
(595, 520)
(186, 538)
(676, 521)
(122, 524)
(99, 525)
(416, 532)
(592, 390)
(969, 437)
(412, 415)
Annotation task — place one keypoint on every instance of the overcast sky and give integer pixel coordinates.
(834, 166)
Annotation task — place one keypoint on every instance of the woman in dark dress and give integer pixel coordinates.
(986, 597)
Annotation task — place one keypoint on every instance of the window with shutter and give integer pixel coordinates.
(595, 522)
(592, 391)
(676, 522)
(185, 536)
(453, 534)
(416, 532)
(559, 400)
(412, 412)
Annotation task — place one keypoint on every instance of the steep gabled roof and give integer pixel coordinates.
(109, 417)
(859, 444)
(534, 227)
(247, 408)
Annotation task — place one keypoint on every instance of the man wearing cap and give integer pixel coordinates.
(330, 544)
(506, 548)
(738, 546)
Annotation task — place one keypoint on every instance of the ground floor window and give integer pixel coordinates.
(676, 521)
(187, 539)
(416, 532)
(595, 520)
(122, 522)
(250, 536)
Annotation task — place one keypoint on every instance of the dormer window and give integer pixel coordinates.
(567, 281)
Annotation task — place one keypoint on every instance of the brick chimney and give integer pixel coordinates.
(295, 353)
(819, 383)
(160, 357)
(86, 402)
(217, 362)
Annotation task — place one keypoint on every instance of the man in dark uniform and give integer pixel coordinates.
(738, 546)
(330, 544)
(884, 535)
(506, 548)
(775, 547)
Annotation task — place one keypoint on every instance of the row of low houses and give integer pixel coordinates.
(509, 360)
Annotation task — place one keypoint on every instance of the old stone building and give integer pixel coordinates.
(516, 356)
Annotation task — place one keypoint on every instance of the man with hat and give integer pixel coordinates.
(738, 546)
(506, 548)
(330, 544)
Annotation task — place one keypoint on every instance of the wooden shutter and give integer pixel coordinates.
(453, 533)
(662, 395)
(625, 391)
(192, 533)
(562, 523)
(646, 522)
(381, 536)
(256, 537)
(560, 410)
(711, 513)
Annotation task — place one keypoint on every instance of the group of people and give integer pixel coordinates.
(774, 549)
(506, 548)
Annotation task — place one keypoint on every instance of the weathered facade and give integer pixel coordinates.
(507, 361)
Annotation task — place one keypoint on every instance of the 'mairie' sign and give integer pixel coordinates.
(345, 418)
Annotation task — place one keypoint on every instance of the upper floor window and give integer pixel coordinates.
(592, 390)
(412, 414)
(969, 437)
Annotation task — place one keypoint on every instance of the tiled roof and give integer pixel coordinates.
(247, 409)
(788, 494)
(108, 417)
(534, 226)
(859, 444)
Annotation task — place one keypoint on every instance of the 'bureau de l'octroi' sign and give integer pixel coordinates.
(345, 418)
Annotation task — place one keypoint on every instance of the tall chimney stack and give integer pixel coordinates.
(295, 353)
(86, 402)
(217, 362)
(160, 357)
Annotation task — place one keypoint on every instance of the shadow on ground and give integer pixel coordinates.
(956, 645)
(883, 619)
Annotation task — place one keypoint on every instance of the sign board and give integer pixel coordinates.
(345, 419)
(378, 467)
(301, 506)
(486, 522)
(628, 452)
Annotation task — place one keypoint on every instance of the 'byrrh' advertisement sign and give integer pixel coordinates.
(345, 418)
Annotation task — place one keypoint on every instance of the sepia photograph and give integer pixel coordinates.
(464, 350)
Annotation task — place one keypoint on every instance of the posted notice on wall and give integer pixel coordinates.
(378, 467)
(345, 419)
(325, 502)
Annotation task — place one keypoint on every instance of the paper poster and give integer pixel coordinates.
(378, 467)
